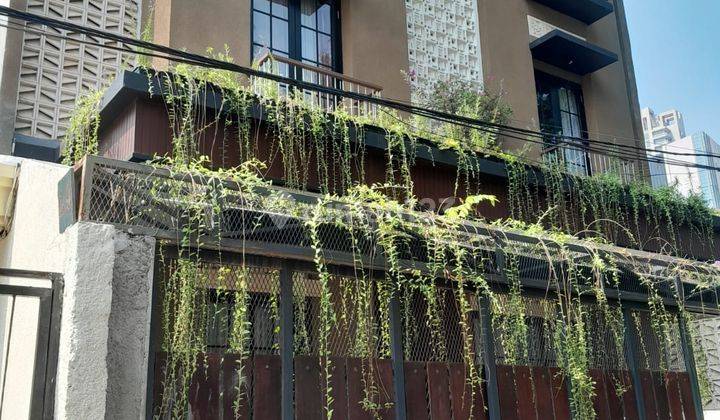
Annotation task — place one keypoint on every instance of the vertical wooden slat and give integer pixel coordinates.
(687, 396)
(266, 387)
(561, 401)
(205, 388)
(416, 391)
(461, 395)
(355, 390)
(385, 387)
(646, 384)
(614, 400)
(339, 388)
(235, 387)
(506, 393)
(629, 402)
(308, 393)
(543, 393)
(524, 392)
(672, 386)
(600, 401)
(661, 396)
(438, 389)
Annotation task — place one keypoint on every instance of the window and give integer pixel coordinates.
(668, 120)
(303, 30)
(562, 119)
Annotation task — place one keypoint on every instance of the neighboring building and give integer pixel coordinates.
(115, 233)
(704, 179)
(665, 132)
(660, 130)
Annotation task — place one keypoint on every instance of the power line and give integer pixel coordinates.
(202, 61)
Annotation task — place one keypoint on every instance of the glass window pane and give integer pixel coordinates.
(280, 8)
(576, 126)
(572, 102)
(263, 5)
(309, 44)
(323, 15)
(258, 50)
(261, 29)
(324, 50)
(563, 99)
(280, 34)
(307, 10)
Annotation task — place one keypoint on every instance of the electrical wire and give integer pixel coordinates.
(194, 59)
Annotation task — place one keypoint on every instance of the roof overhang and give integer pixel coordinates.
(587, 11)
(571, 53)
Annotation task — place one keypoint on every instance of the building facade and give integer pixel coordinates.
(196, 292)
(672, 151)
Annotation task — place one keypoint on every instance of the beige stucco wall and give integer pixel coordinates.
(374, 44)
(374, 49)
(196, 25)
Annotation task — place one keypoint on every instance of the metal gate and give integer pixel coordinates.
(30, 308)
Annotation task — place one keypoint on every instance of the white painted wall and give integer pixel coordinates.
(34, 241)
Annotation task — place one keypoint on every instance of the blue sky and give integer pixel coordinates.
(676, 51)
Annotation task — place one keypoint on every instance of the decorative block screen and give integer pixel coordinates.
(444, 40)
(55, 71)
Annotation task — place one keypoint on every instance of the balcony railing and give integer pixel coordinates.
(328, 102)
(578, 159)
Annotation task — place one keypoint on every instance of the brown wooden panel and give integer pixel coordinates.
(385, 387)
(461, 394)
(236, 387)
(416, 391)
(308, 393)
(438, 390)
(561, 402)
(614, 400)
(524, 392)
(506, 392)
(355, 389)
(339, 388)
(600, 401)
(543, 393)
(629, 402)
(648, 392)
(266, 387)
(204, 393)
(661, 396)
(672, 387)
(686, 393)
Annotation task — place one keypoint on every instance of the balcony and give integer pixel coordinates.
(571, 53)
(587, 11)
(282, 66)
(579, 159)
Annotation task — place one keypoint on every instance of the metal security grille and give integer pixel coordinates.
(659, 345)
(431, 325)
(359, 317)
(54, 70)
(536, 346)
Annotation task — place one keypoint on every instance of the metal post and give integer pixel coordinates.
(631, 344)
(488, 343)
(396, 349)
(687, 349)
(286, 342)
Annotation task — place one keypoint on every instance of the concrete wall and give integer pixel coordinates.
(105, 331)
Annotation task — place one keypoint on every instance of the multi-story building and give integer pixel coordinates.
(694, 167)
(184, 296)
(681, 160)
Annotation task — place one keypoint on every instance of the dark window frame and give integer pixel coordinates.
(295, 27)
(553, 129)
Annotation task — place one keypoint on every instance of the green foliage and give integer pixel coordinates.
(81, 136)
(306, 137)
